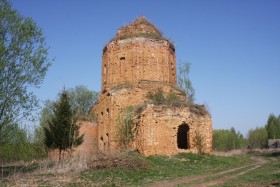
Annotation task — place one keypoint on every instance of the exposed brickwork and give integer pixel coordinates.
(115, 99)
(136, 61)
(159, 126)
(89, 130)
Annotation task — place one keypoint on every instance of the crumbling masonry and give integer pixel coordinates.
(136, 62)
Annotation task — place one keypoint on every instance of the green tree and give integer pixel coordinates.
(17, 145)
(184, 81)
(82, 99)
(226, 140)
(273, 127)
(23, 64)
(257, 138)
(13, 134)
(62, 132)
(45, 116)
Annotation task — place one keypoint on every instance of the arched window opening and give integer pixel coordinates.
(183, 136)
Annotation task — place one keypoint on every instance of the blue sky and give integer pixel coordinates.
(233, 46)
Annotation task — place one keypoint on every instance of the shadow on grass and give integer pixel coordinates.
(6, 171)
(275, 153)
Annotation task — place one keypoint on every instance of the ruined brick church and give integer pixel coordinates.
(136, 62)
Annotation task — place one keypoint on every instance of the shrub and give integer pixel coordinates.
(125, 130)
(198, 140)
(159, 97)
(172, 99)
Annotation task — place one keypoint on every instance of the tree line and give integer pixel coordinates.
(225, 140)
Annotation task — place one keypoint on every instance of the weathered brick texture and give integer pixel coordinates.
(159, 128)
(137, 59)
(89, 130)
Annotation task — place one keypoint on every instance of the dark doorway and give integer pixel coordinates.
(182, 136)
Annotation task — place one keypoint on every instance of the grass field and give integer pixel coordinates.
(131, 169)
(160, 167)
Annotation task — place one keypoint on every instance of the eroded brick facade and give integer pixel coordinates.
(138, 61)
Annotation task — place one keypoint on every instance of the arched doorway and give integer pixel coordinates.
(183, 136)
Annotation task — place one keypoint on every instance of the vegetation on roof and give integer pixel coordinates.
(141, 27)
(173, 100)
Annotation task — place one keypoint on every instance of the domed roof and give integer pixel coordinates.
(141, 27)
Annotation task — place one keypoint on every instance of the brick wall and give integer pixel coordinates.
(137, 59)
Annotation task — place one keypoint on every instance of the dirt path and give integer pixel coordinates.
(211, 179)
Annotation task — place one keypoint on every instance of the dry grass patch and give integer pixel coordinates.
(54, 173)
